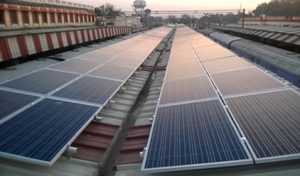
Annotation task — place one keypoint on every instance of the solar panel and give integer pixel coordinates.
(227, 64)
(244, 81)
(187, 57)
(98, 57)
(43, 131)
(113, 71)
(11, 102)
(184, 71)
(190, 89)
(43, 81)
(76, 65)
(270, 123)
(213, 52)
(126, 62)
(193, 136)
(90, 89)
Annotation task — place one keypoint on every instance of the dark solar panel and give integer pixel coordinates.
(198, 135)
(41, 82)
(244, 81)
(11, 102)
(190, 89)
(90, 89)
(76, 65)
(41, 132)
(113, 71)
(270, 122)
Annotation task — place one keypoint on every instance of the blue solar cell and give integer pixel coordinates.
(41, 82)
(89, 89)
(42, 131)
(270, 123)
(189, 89)
(11, 102)
(113, 71)
(76, 65)
(193, 135)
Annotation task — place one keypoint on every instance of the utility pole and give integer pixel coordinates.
(243, 18)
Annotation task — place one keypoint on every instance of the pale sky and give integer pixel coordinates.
(180, 4)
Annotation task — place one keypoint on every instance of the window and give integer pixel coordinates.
(13, 17)
(66, 18)
(90, 19)
(35, 17)
(77, 18)
(81, 18)
(85, 18)
(25, 17)
(59, 18)
(52, 17)
(71, 18)
(45, 17)
(2, 21)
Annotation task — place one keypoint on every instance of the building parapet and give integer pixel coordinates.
(52, 2)
(13, 16)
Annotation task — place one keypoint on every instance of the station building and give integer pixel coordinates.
(16, 14)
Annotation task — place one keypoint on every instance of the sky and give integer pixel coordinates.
(180, 4)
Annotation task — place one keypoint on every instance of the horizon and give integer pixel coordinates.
(126, 5)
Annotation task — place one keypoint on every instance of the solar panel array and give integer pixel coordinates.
(213, 99)
(191, 129)
(44, 111)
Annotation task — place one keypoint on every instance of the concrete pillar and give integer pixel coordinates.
(69, 18)
(56, 18)
(40, 19)
(30, 18)
(48, 18)
(20, 18)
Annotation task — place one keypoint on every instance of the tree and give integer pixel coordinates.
(186, 19)
(172, 19)
(279, 8)
(108, 10)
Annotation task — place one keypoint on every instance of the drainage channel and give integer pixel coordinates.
(122, 109)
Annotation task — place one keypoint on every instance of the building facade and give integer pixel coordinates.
(39, 13)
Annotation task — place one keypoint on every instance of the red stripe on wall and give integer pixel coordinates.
(22, 45)
(89, 35)
(68, 38)
(60, 40)
(106, 32)
(37, 43)
(110, 31)
(103, 33)
(4, 49)
(76, 37)
(99, 33)
(49, 41)
(82, 36)
(114, 31)
(94, 34)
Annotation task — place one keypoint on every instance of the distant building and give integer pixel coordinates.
(132, 21)
(16, 14)
(270, 20)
